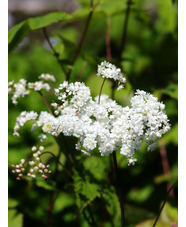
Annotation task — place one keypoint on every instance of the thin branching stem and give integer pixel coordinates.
(124, 34)
(49, 152)
(45, 101)
(54, 51)
(82, 38)
(159, 213)
(119, 190)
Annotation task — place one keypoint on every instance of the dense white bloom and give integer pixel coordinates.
(106, 126)
(108, 70)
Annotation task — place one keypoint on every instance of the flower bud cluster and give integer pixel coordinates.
(35, 165)
(107, 70)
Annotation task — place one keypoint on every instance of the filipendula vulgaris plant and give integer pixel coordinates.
(98, 122)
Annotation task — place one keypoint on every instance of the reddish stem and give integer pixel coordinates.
(165, 164)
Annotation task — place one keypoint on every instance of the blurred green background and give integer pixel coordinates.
(149, 61)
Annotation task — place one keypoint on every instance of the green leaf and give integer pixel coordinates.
(19, 31)
(140, 195)
(16, 34)
(171, 90)
(14, 219)
(112, 204)
(46, 20)
(12, 203)
(45, 185)
(97, 167)
(86, 187)
(63, 200)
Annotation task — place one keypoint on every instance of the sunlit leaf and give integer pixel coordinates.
(14, 219)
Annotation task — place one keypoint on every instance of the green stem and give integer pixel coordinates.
(101, 90)
(119, 190)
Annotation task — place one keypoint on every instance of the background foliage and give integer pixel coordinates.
(149, 61)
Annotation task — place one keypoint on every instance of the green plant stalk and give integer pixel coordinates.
(119, 189)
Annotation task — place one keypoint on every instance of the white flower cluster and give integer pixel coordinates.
(22, 119)
(20, 89)
(47, 77)
(39, 85)
(108, 126)
(107, 70)
(36, 165)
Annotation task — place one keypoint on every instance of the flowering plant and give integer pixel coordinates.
(86, 145)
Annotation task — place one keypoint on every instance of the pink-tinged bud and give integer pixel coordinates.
(20, 165)
(13, 171)
(45, 170)
(22, 169)
(17, 166)
(49, 171)
(36, 168)
(77, 112)
(20, 175)
(28, 174)
(13, 165)
(43, 175)
(48, 166)
(31, 170)
(18, 170)
(46, 178)
(18, 178)
(40, 171)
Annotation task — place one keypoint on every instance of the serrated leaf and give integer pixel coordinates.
(86, 187)
(112, 204)
(97, 167)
